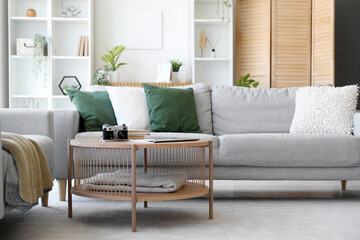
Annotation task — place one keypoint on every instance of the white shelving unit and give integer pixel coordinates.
(25, 89)
(206, 69)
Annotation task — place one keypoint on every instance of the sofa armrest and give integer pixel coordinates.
(357, 124)
(66, 123)
(2, 209)
(27, 121)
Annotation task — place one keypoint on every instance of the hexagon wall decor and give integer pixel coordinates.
(69, 82)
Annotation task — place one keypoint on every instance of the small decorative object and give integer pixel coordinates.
(25, 47)
(202, 42)
(69, 82)
(184, 74)
(164, 73)
(246, 82)
(31, 12)
(223, 7)
(111, 59)
(213, 54)
(101, 77)
(176, 64)
(70, 10)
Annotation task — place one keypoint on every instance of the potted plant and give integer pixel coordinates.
(111, 60)
(101, 76)
(40, 63)
(176, 64)
(223, 7)
(246, 82)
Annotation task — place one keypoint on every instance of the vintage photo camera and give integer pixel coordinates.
(110, 132)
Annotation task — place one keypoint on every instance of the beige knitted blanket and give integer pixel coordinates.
(33, 169)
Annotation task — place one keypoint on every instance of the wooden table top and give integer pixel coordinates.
(99, 143)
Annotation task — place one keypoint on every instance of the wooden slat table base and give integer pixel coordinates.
(107, 170)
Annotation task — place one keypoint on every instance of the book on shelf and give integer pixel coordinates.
(81, 46)
(86, 51)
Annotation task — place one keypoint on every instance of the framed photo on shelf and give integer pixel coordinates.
(164, 73)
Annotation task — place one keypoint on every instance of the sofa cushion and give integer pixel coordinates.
(202, 97)
(251, 110)
(325, 109)
(47, 145)
(129, 104)
(94, 107)
(171, 110)
(289, 150)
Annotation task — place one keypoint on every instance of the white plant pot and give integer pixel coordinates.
(174, 77)
(114, 76)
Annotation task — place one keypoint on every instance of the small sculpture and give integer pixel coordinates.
(202, 42)
(31, 12)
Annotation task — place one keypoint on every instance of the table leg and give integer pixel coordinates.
(211, 176)
(69, 180)
(133, 191)
(145, 170)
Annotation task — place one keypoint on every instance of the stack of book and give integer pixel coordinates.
(83, 47)
(138, 134)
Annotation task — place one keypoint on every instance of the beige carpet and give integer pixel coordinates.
(243, 210)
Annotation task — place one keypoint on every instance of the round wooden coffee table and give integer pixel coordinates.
(91, 158)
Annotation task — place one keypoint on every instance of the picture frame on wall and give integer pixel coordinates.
(164, 73)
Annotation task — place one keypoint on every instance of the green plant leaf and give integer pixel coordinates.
(256, 84)
(118, 50)
(107, 58)
(120, 64)
(247, 76)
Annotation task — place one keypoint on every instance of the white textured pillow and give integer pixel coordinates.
(325, 109)
(130, 106)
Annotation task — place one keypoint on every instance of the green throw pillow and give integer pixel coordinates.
(171, 109)
(94, 107)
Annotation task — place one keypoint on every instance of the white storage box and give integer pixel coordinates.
(25, 47)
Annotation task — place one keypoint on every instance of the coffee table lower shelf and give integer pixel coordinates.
(189, 190)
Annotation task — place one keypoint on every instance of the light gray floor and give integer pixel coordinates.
(242, 210)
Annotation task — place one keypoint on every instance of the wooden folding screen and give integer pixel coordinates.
(323, 56)
(291, 43)
(253, 40)
(285, 43)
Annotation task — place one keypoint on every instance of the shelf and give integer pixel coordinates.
(28, 96)
(205, 1)
(29, 19)
(189, 190)
(70, 20)
(23, 57)
(70, 58)
(212, 59)
(60, 97)
(212, 21)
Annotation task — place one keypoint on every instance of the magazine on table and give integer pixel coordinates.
(164, 139)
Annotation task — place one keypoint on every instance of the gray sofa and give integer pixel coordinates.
(37, 125)
(250, 132)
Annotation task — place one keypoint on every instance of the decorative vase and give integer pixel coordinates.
(213, 54)
(174, 77)
(114, 76)
(184, 74)
(31, 12)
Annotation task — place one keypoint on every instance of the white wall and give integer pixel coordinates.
(142, 64)
(3, 55)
